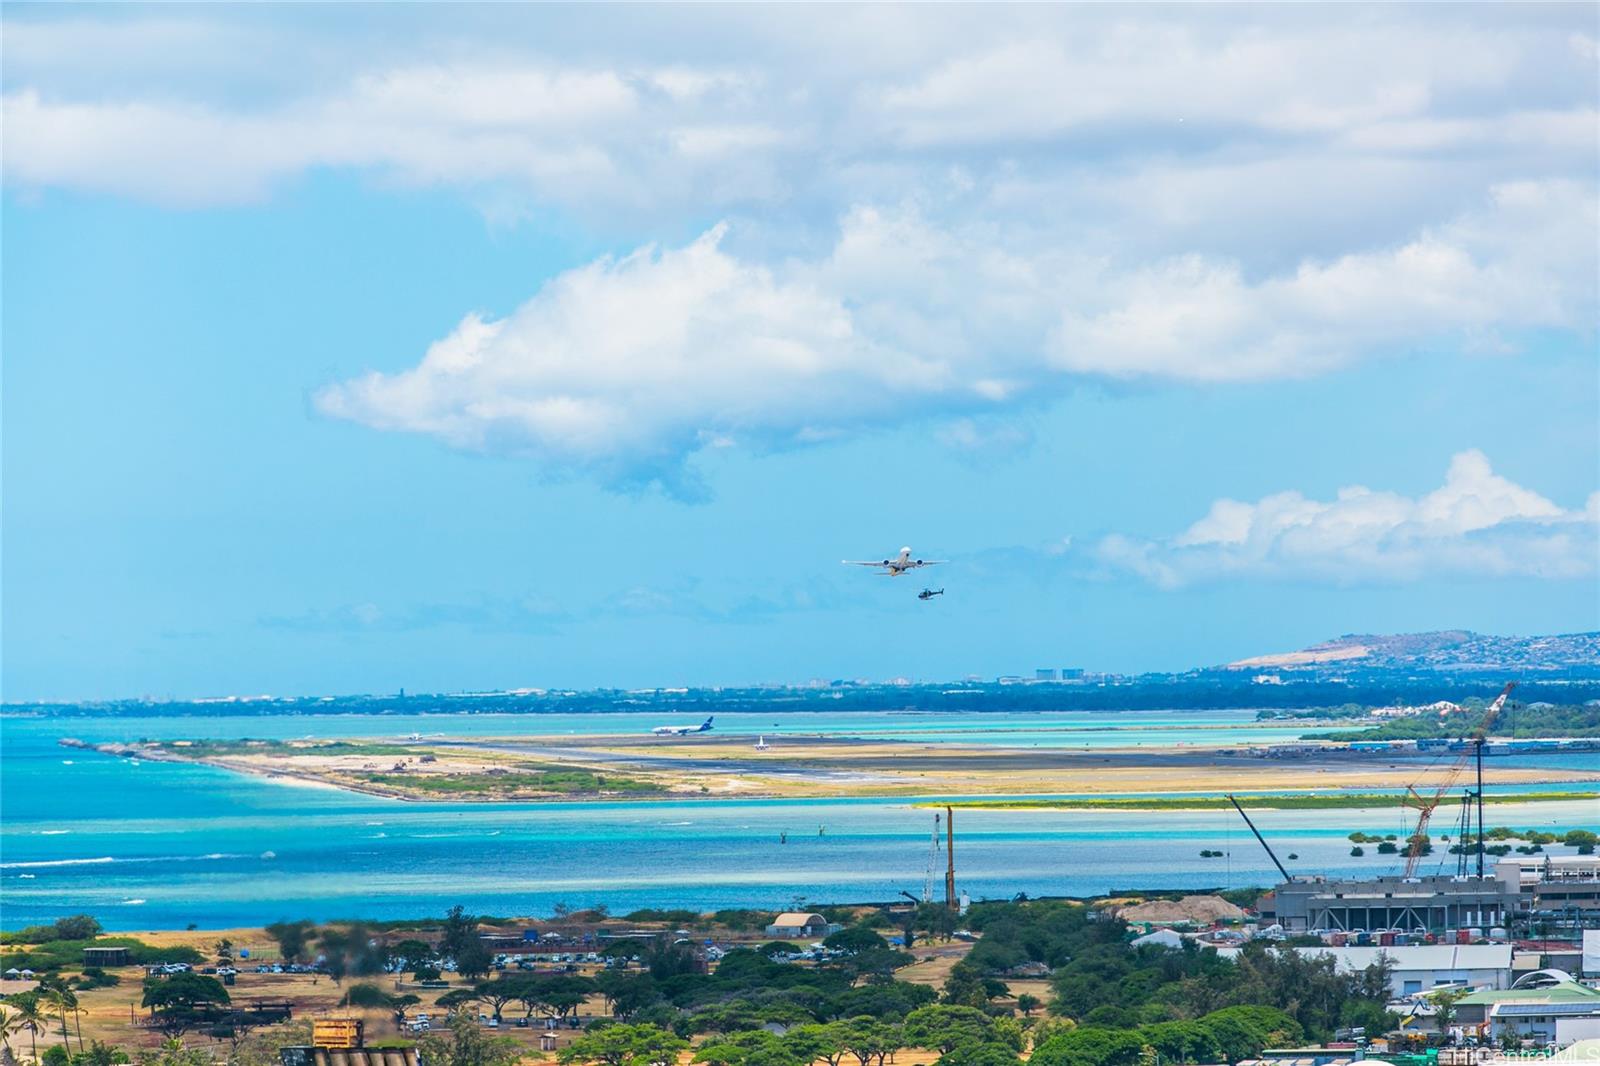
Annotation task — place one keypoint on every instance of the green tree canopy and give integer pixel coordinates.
(183, 991)
(944, 1027)
(625, 1045)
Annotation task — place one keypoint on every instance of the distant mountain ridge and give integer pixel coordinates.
(1448, 649)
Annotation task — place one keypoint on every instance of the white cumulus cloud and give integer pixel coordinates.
(1477, 523)
(626, 367)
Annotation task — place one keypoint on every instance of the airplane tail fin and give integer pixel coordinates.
(707, 723)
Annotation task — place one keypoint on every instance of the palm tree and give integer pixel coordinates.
(62, 1001)
(8, 1025)
(30, 1016)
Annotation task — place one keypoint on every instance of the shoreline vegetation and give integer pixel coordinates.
(1281, 801)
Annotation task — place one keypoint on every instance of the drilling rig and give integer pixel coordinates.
(1426, 805)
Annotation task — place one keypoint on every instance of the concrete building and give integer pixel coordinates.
(1422, 967)
(798, 924)
(1547, 1008)
(1560, 890)
(1432, 904)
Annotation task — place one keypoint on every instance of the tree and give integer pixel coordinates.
(183, 995)
(101, 1055)
(224, 952)
(60, 999)
(1241, 1032)
(967, 986)
(811, 1042)
(468, 1045)
(1086, 1046)
(173, 1053)
(474, 959)
(1180, 1041)
(754, 1047)
(77, 927)
(855, 940)
(293, 938)
(365, 994)
(9, 1024)
(1444, 1004)
(627, 993)
(455, 999)
(398, 1005)
(945, 1027)
(980, 1055)
(935, 920)
(412, 954)
(870, 1041)
(625, 1045)
(1027, 1004)
(558, 995)
(31, 1016)
(1582, 839)
(496, 994)
(460, 930)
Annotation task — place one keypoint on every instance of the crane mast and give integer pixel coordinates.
(1426, 805)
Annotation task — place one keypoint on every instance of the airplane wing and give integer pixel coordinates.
(930, 562)
(857, 562)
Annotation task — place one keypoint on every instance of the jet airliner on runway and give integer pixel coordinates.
(682, 730)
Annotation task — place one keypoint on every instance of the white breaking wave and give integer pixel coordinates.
(132, 902)
(54, 832)
(213, 856)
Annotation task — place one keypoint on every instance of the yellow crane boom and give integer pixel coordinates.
(1426, 805)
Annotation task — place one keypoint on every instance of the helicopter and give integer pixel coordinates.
(928, 594)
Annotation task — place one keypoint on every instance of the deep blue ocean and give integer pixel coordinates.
(158, 845)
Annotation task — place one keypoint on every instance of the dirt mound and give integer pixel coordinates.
(1202, 910)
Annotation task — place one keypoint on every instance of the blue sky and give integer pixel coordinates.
(349, 349)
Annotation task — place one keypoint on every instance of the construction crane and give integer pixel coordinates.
(933, 857)
(1287, 876)
(1426, 805)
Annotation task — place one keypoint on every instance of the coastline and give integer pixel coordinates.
(595, 769)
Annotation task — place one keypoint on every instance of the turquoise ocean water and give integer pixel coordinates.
(159, 845)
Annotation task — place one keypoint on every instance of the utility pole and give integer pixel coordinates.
(950, 853)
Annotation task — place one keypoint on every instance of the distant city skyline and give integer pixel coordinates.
(357, 348)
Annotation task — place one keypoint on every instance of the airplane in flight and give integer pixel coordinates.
(900, 564)
(928, 594)
(682, 730)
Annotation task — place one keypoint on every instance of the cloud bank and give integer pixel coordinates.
(1476, 524)
(962, 212)
(626, 367)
